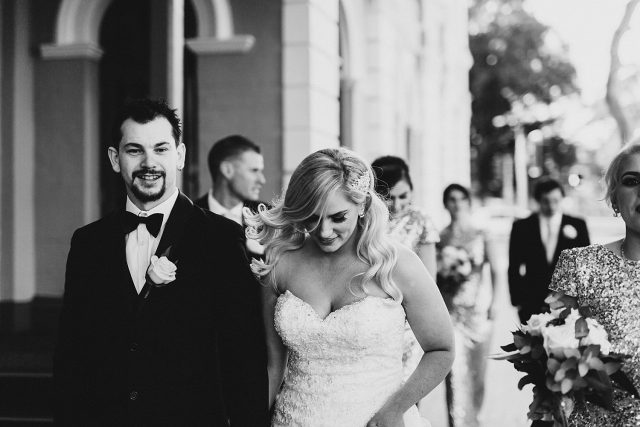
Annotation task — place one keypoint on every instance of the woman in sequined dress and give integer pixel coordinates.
(607, 279)
(407, 225)
(470, 303)
(338, 291)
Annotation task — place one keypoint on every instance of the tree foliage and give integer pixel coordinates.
(613, 84)
(517, 60)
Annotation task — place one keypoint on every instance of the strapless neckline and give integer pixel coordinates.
(344, 309)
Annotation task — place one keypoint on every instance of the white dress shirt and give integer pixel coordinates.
(549, 231)
(140, 244)
(234, 214)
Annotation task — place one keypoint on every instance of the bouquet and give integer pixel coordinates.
(455, 265)
(566, 356)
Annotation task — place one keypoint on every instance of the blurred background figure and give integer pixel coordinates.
(462, 256)
(535, 245)
(409, 226)
(237, 176)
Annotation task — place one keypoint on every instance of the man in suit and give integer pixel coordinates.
(237, 175)
(535, 245)
(172, 341)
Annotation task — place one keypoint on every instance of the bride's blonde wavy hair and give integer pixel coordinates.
(281, 228)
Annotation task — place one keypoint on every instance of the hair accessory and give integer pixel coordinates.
(362, 183)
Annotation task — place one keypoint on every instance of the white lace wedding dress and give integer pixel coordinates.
(343, 368)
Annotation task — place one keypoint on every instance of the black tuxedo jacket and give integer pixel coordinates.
(529, 271)
(191, 353)
(203, 202)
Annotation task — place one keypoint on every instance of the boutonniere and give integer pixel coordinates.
(569, 231)
(161, 271)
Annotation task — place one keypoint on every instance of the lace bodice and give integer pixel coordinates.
(413, 228)
(341, 369)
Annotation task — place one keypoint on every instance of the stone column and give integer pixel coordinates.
(17, 162)
(310, 79)
(67, 154)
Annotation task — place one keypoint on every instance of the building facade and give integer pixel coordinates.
(378, 76)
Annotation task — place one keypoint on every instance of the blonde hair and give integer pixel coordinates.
(612, 174)
(280, 229)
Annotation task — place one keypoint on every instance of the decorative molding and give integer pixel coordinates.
(78, 21)
(213, 45)
(71, 51)
(215, 18)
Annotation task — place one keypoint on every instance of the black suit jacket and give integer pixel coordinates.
(191, 353)
(203, 202)
(529, 271)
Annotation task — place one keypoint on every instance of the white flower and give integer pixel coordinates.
(464, 268)
(537, 323)
(161, 271)
(597, 335)
(569, 231)
(559, 338)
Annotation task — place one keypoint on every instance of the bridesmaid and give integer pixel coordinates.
(409, 226)
(470, 301)
(605, 277)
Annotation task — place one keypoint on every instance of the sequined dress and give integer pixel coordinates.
(343, 368)
(413, 228)
(469, 309)
(610, 286)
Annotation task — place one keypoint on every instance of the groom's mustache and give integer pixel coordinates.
(140, 172)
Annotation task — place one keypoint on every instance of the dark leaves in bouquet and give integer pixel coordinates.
(509, 347)
(600, 382)
(585, 311)
(623, 381)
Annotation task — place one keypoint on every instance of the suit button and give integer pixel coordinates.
(133, 395)
(134, 346)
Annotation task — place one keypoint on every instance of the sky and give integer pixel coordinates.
(587, 27)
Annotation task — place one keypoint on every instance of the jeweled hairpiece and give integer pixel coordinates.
(362, 183)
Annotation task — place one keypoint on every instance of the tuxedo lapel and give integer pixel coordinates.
(536, 238)
(562, 239)
(175, 225)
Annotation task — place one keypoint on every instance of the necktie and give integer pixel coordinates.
(152, 222)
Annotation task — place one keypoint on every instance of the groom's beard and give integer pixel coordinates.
(148, 190)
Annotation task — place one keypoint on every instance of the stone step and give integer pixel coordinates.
(26, 397)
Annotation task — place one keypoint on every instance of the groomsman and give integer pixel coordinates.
(237, 175)
(170, 339)
(535, 245)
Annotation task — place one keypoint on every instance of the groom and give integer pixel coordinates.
(174, 340)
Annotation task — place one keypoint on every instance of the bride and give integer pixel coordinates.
(336, 295)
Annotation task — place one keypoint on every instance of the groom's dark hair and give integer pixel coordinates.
(144, 110)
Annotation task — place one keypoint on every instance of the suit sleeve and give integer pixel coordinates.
(70, 366)
(516, 258)
(583, 234)
(241, 341)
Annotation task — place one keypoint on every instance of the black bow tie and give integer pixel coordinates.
(152, 222)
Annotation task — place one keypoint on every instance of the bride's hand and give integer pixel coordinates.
(386, 418)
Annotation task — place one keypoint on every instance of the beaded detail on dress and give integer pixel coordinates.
(343, 368)
(610, 286)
